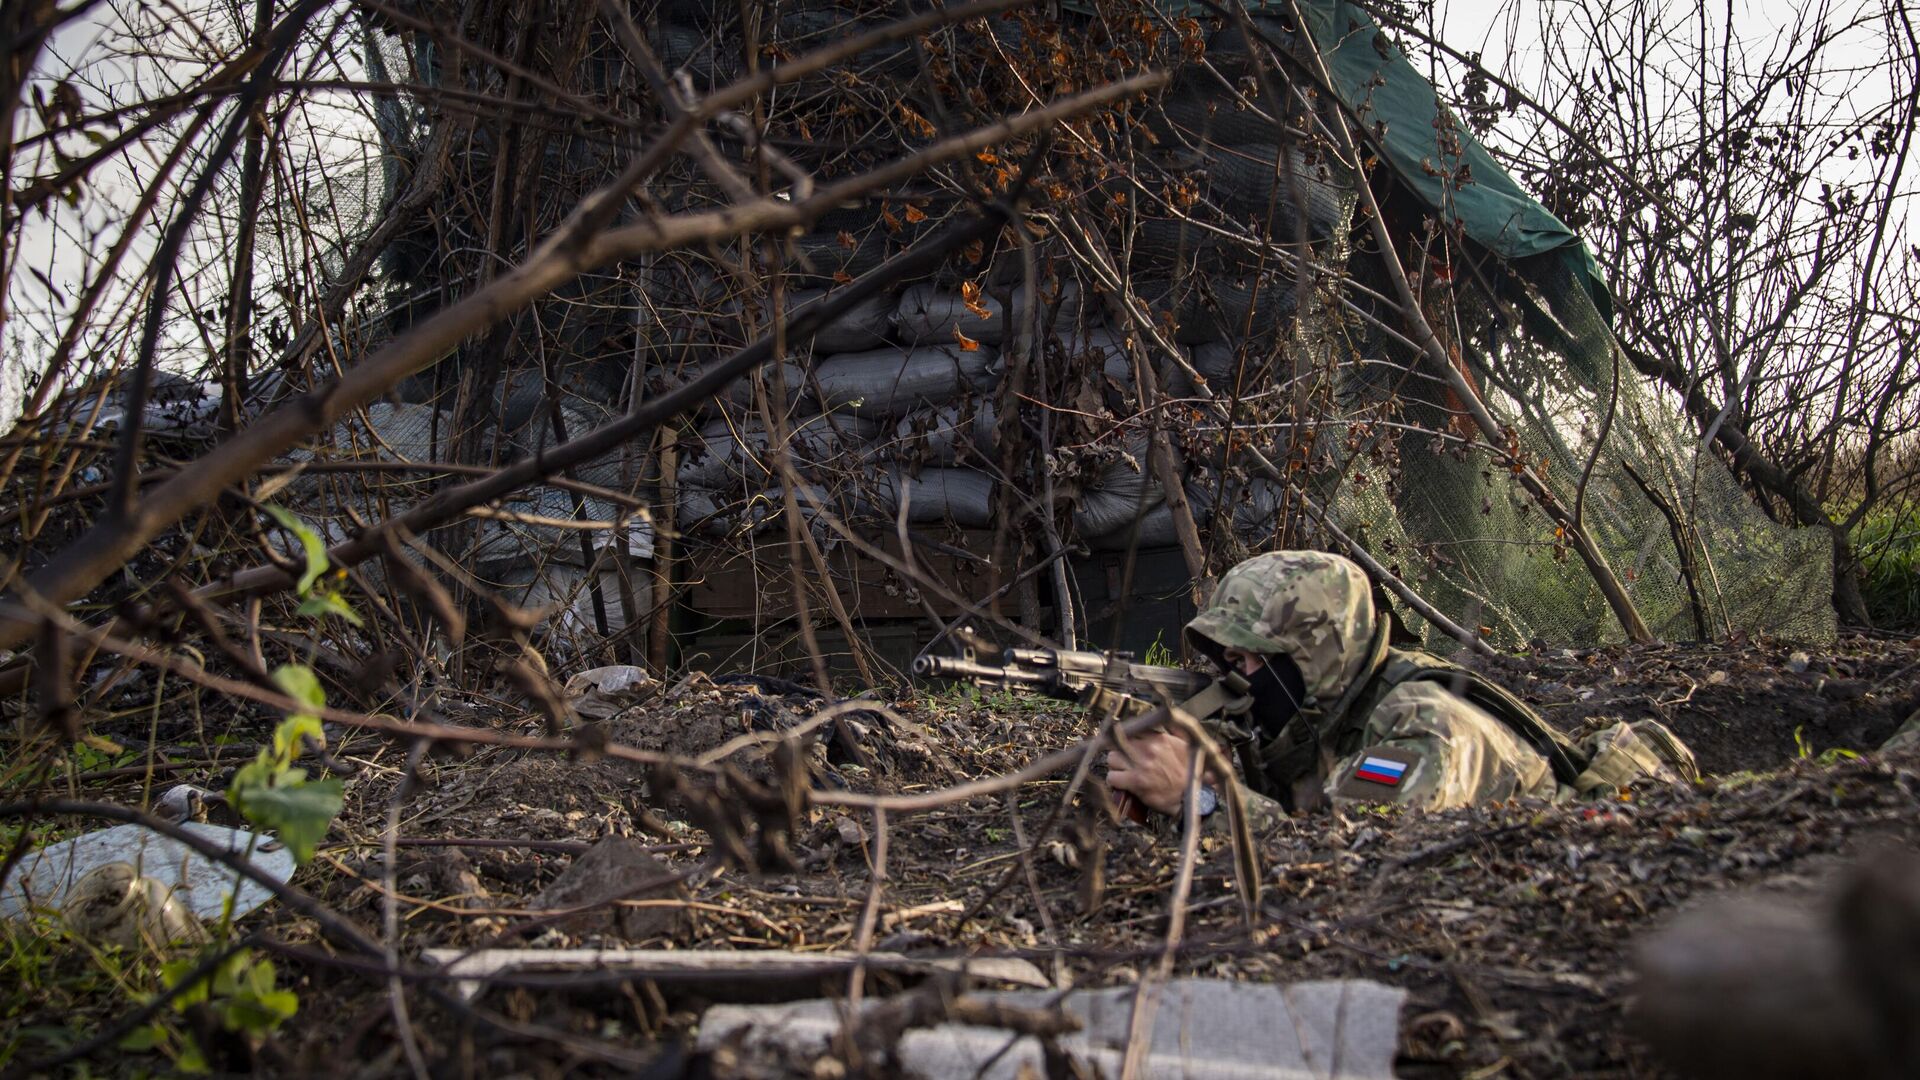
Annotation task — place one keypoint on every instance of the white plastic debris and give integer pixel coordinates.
(184, 802)
(114, 905)
(47, 878)
(607, 691)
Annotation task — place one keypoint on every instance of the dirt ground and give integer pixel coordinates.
(1510, 926)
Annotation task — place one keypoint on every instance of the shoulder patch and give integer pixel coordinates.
(1379, 774)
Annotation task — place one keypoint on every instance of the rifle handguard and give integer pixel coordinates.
(955, 667)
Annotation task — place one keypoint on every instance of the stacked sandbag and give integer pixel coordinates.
(942, 435)
(932, 313)
(890, 383)
(389, 431)
(529, 530)
(864, 326)
(382, 432)
(725, 456)
(1121, 493)
(933, 496)
(1250, 511)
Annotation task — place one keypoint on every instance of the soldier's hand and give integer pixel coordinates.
(1153, 769)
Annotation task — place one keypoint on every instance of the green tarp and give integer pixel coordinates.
(1373, 79)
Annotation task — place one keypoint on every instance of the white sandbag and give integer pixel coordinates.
(703, 512)
(962, 497)
(726, 457)
(589, 395)
(564, 593)
(611, 470)
(889, 383)
(391, 432)
(384, 432)
(504, 542)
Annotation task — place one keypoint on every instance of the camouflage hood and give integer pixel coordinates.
(1312, 606)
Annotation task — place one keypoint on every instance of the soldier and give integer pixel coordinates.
(1337, 713)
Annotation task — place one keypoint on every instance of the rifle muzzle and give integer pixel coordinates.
(954, 667)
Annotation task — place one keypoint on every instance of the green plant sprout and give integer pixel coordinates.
(317, 599)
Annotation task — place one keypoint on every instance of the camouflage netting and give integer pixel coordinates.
(1234, 230)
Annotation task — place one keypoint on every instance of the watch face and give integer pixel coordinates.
(1209, 801)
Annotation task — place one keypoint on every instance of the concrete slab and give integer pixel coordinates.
(1203, 1029)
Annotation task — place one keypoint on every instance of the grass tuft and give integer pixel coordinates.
(1888, 543)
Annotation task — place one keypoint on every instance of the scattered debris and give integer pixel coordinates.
(608, 691)
(115, 905)
(1509, 927)
(618, 888)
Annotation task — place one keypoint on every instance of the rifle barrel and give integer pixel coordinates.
(954, 667)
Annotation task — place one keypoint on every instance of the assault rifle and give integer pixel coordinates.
(1061, 673)
(1105, 681)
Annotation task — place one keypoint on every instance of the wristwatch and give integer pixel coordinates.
(1209, 800)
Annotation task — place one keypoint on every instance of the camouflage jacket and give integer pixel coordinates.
(1374, 733)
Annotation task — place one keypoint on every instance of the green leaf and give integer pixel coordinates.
(298, 811)
(173, 971)
(316, 549)
(143, 1038)
(257, 774)
(257, 1015)
(298, 683)
(322, 604)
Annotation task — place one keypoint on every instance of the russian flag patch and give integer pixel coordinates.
(1379, 770)
(1381, 774)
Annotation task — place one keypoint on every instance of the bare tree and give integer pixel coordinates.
(1746, 187)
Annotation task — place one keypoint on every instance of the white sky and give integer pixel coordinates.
(123, 53)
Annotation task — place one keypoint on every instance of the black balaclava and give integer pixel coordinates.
(1278, 688)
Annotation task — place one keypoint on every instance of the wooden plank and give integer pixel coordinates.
(472, 970)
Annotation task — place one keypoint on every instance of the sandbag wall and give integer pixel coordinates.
(907, 407)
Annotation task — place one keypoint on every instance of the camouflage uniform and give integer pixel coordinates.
(1365, 737)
